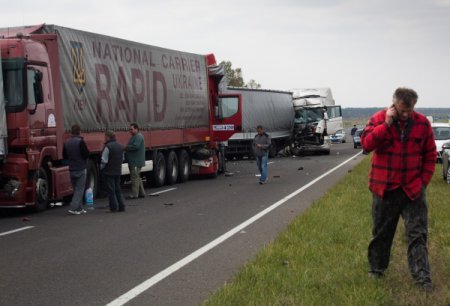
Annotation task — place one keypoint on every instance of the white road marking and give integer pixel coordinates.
(270, 162)
(144, 286)
(16, 230)
(162, 191)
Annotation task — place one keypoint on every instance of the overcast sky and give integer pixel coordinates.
(362, 50)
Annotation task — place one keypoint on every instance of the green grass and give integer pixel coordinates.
(321, 258)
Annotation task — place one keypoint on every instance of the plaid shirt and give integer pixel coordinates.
(404, 154)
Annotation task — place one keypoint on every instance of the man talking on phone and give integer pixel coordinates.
(402, 165)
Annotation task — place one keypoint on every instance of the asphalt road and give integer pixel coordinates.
(173, 248)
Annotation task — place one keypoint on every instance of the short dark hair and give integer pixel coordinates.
(406, 95)
(134, 125)
(110, 134)
(76, 129)
(259, 126)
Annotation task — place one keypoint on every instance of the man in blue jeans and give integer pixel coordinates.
(261, 144)
(76, 152)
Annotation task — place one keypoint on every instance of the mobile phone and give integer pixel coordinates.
(395, 110)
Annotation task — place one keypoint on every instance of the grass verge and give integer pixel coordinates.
(321, 258)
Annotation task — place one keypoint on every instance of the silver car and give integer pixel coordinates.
(441, 135)
(338, 137)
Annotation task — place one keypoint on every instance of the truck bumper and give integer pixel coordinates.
(14, 182)
(325, 147)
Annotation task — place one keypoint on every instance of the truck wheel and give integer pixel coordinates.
(159, 170)
(222, 161)
(42, 189)
(184, 166)
(273, 149)
(171, 168)
(92, 176)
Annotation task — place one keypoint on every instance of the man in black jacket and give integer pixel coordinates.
(111, 165)
(76, 152)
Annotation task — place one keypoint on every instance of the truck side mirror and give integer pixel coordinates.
(218, 109)
(34, 89)
(38, 92)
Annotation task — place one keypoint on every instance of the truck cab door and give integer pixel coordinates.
(227, 116)
(334, 122)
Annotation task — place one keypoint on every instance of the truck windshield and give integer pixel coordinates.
(13, 82)
(311, 115)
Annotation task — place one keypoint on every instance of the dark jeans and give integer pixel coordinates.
(386, 212)
(78, 179)
(115, 196)
(261, 162)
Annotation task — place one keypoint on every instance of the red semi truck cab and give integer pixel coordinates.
(52, 77)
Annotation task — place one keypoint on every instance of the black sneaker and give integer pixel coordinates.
(375, 275)
(428, 287)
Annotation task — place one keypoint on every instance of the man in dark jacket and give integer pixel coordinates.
(353, 131)
(403, 163)
(261, 144)
(111, 165)
(76, 152)
(135, 153)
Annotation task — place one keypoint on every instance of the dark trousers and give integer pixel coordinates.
(115, 196)
(386, 212)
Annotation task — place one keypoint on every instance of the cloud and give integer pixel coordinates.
(363, 50)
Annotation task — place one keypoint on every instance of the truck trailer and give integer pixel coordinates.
(53, 77)
(316, 117)
(270, 108)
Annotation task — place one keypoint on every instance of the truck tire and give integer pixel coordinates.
(43, 189)
(92, 177)
(222, 160)
(158, 175)
(184, 166)
(171, 168)
(273, 150)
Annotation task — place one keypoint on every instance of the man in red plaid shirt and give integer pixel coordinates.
(403, 163)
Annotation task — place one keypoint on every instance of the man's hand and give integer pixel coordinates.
(391, 114)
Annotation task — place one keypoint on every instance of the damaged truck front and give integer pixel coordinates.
(316, 117)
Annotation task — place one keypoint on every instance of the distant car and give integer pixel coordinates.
(357, 138)
(441, 135)
(338, 137)
(446, 162)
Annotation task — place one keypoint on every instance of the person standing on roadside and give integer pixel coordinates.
(76, 152)
(353, 130)
(135, 154)
(403, 163)
(111, 165)
(261, 144)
